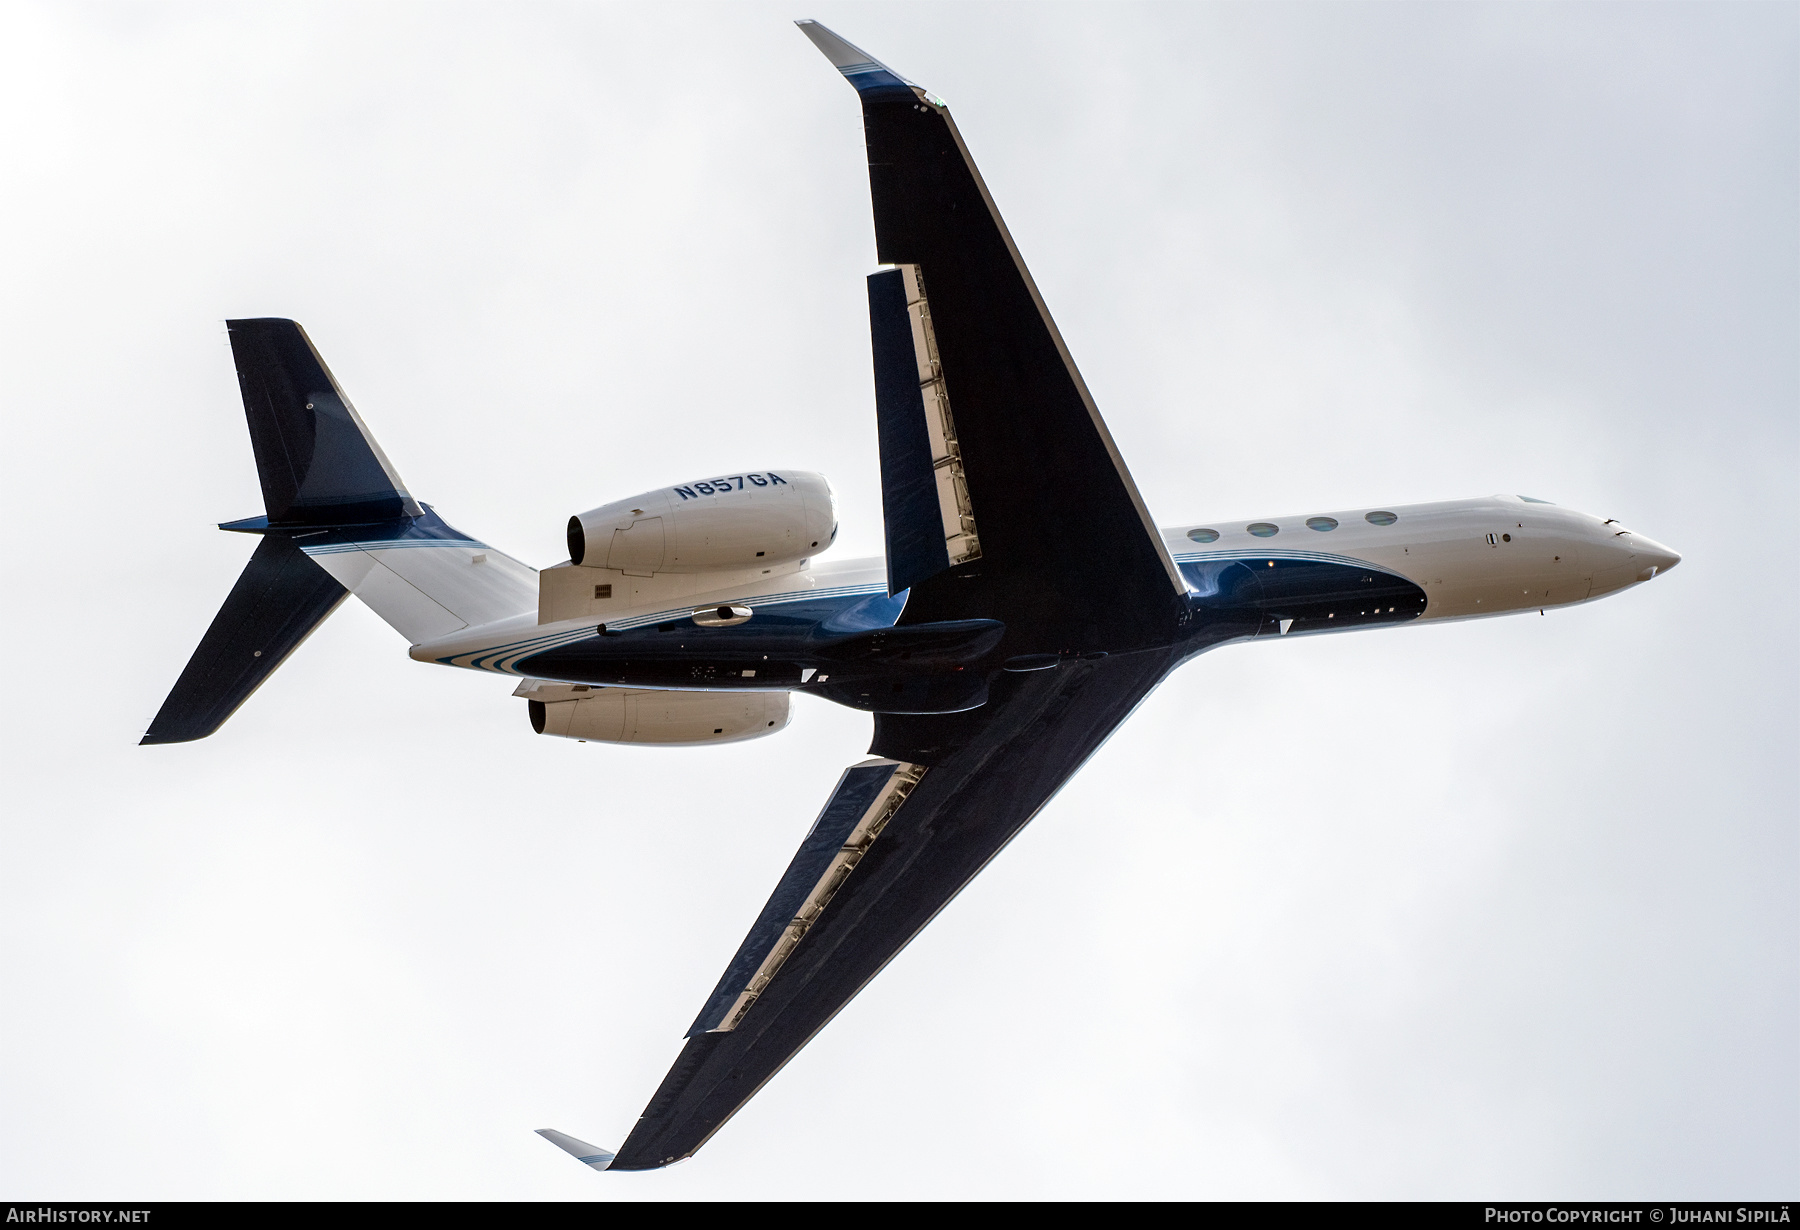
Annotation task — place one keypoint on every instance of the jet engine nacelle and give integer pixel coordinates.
(748, 520)
(631, 715)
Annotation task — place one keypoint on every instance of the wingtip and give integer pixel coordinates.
(870, 76)
(580, 1150)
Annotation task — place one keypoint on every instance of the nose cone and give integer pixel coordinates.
(1653, 559)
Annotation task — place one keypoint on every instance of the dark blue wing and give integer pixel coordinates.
(900, 837)
(1005, 500)
(1038, 509)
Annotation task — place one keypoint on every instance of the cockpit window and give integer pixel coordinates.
(1204, 535)
(1322, 524)
(1534, 500)
(1380, 518)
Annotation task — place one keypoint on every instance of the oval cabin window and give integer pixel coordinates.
(1262, 529)
(1380, 518)
(1322, 524)
(1204, 535)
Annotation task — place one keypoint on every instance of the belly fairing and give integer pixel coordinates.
(846, 649)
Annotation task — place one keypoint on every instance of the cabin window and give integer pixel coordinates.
(1380, 518)
(1322, 524)
(1204, 535)
(1263, 529)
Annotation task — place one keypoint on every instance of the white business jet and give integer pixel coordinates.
(1026, 604)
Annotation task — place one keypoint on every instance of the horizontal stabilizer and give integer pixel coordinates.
(318, 463)
(580, 1150)
(277, 602)
(425, 578)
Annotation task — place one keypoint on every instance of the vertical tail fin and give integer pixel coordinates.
(318, 463)
(319, 468)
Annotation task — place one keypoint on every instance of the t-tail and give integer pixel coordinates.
(337, 520)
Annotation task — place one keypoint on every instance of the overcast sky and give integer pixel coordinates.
(1493, 909)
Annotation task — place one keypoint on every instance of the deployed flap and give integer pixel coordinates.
(1046, 486)
(861, 901)
(866, 798)
(318, 463)
(277, 602)
(924, 495)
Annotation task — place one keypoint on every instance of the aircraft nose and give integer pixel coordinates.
(1655, 558)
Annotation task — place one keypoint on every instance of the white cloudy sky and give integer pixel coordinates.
(1492, 909)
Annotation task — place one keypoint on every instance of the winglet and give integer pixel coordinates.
(580, 1150)
(870, 76)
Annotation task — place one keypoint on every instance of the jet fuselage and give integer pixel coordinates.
(834, 631)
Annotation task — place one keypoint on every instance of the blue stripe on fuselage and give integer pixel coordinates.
(1231, 596)
(1237, 594)
(835, 609)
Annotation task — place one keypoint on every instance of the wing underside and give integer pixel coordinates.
(900, 837)
(1006, 500)
(1002, 487)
